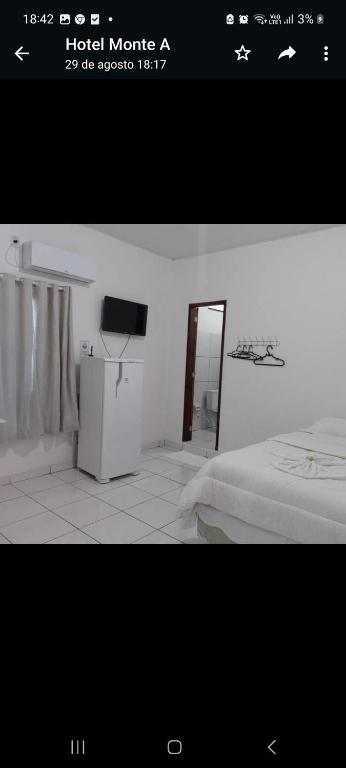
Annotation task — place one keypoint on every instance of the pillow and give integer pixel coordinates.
(330, 426)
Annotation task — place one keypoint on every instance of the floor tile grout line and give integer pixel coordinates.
(154, 474)
(68, 483)
(133, 518)
(88, 493)
(128, 512)
(25, 493)
(150, 534)
(53, 512)
(177, 465)
(72, 482)
(82, 529)
(94, 496)
(170, 534)
(100, 496)
(116, 511)
(23, 519)
(172, 489)
(45, 509)
(149, 494)
(91, 495)
(70, 533)
(5, 537)
(162, 457)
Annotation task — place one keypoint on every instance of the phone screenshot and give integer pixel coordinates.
(151, 40)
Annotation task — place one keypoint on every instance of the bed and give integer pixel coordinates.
(288, 489)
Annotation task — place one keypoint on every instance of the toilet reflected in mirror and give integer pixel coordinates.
(203, 374)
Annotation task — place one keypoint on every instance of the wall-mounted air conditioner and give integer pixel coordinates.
(37, 257)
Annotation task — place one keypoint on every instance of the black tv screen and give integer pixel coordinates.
(119, 316)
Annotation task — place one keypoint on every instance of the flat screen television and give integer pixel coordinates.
(119, 316)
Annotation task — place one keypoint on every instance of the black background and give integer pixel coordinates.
(225, 652)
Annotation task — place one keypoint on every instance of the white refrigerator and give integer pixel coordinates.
(109, 442)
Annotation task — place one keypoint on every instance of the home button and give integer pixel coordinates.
(174, 747)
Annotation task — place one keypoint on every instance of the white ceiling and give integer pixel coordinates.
(179, 241)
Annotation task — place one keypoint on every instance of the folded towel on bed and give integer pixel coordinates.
(310, 465)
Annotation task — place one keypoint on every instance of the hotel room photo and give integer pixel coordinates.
(172, 384)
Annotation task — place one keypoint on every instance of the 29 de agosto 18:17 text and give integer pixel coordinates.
(119, 44)
(107, 66)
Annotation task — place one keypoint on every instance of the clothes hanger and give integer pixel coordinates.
(243, 352)
(236, 352)
(251, 354)
(269, 358)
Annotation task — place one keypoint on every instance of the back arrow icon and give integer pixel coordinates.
(19, 53)
(270, 746)
(287, 52)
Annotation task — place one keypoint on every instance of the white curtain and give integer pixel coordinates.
(37, 368)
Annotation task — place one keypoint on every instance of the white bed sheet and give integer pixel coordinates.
(243, 484)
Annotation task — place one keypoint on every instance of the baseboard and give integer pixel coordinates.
(46, 470)
(18, 476)
(172, 444)
(155, 444)
(63, 465)
(194, 449)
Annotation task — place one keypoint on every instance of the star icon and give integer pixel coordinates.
(242, 53)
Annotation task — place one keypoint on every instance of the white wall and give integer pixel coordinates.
(123, 271)
(294, 289)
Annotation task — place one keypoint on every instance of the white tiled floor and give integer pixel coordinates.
(8, 492)
(205, 437)
(70, 507)
(156, 538)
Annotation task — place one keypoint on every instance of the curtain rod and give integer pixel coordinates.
(34, 282)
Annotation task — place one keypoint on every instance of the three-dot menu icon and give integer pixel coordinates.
(325, 52)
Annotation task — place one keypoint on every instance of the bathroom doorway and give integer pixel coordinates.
(203, 376)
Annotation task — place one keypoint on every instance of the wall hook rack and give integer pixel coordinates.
(245, 350)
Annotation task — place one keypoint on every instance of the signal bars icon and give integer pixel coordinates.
(289, 20)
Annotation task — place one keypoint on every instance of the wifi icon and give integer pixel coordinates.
(259, 17)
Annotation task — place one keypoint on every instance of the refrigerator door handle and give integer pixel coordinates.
(119, 379)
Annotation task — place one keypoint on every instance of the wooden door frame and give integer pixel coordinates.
(190, 367)
(190, 372)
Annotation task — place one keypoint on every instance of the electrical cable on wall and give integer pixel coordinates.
(125, 346)
(104, 344)
(106, 348)
(15, 246)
